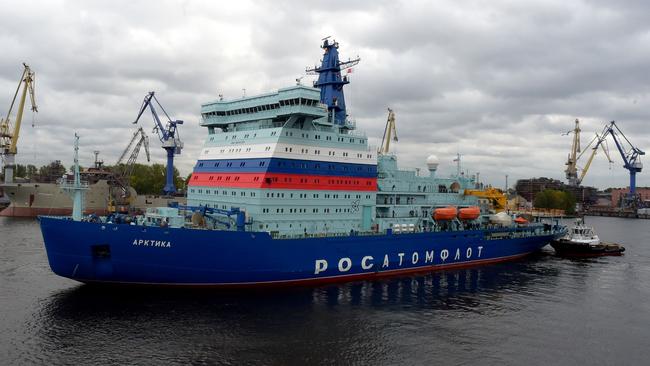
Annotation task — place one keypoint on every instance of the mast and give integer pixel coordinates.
(331, 83)
(75, 188)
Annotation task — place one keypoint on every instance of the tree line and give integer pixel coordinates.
(145, 179)
(150, 179)
(556, 199)
(46, 173)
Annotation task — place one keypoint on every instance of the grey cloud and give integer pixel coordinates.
(497, 82)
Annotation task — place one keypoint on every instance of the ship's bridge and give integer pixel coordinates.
(294, 100)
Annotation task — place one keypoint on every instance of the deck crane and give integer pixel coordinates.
(390, 133)
(8, 133)
(631, 159)
(168, 135)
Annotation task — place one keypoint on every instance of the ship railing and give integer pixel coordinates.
(327, 235)
(490, 232)
(70, 184)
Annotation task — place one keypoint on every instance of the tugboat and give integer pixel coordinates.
(582, 241)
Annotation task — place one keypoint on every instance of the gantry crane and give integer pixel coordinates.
(168, 135)
(390, 133)
(8, 133)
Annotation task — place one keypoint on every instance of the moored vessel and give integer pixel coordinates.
(582, 241)
(286, 191)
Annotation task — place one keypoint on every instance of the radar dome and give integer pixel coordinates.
(432, 162)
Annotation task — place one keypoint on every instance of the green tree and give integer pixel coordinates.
(541, 200)
(52, 171)
(569, 203)
(32, 171)
(150, 179)
(20, 171)
(555, 199)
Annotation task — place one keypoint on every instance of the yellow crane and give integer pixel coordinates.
(572, 161)
(9, 133)
(390, 133)
(576, 154)
(599, 142)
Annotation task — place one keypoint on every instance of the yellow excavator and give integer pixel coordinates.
(9, 132)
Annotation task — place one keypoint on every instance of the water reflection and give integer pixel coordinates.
(132, 325)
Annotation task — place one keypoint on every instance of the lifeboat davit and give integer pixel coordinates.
(445, 213)
(469, 213)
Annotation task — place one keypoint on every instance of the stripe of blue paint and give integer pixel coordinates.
(287, 166)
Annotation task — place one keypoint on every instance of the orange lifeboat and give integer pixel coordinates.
(521, 221)
(445, 213)
(469, 213)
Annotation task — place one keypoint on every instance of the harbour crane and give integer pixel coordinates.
(125, 169)
(168, 135)
(121, 178)
(9, 133)
(600, 141)
(631, 159)
(390, 133)
(572, 161)
(577, 152)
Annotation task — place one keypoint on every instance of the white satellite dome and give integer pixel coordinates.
(432, 162)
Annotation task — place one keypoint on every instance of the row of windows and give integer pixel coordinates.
(266, 107)
(303, 135)
(270, 180)
(289, 210)
(293, 165)
(327, 195)
(304, 210)
(290, 149)
(272, 194)
(314, 195)
(224, 193)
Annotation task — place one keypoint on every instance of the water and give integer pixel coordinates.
(543, 310)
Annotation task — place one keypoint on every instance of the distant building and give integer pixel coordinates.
(604, 199)
(528, 188)
(619, 193)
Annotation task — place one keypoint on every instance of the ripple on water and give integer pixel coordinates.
(545, 309)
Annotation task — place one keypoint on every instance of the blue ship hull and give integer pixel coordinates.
(95, 252)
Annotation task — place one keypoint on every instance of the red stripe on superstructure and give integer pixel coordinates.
(283, 181)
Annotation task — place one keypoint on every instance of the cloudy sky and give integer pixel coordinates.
(498, 81)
